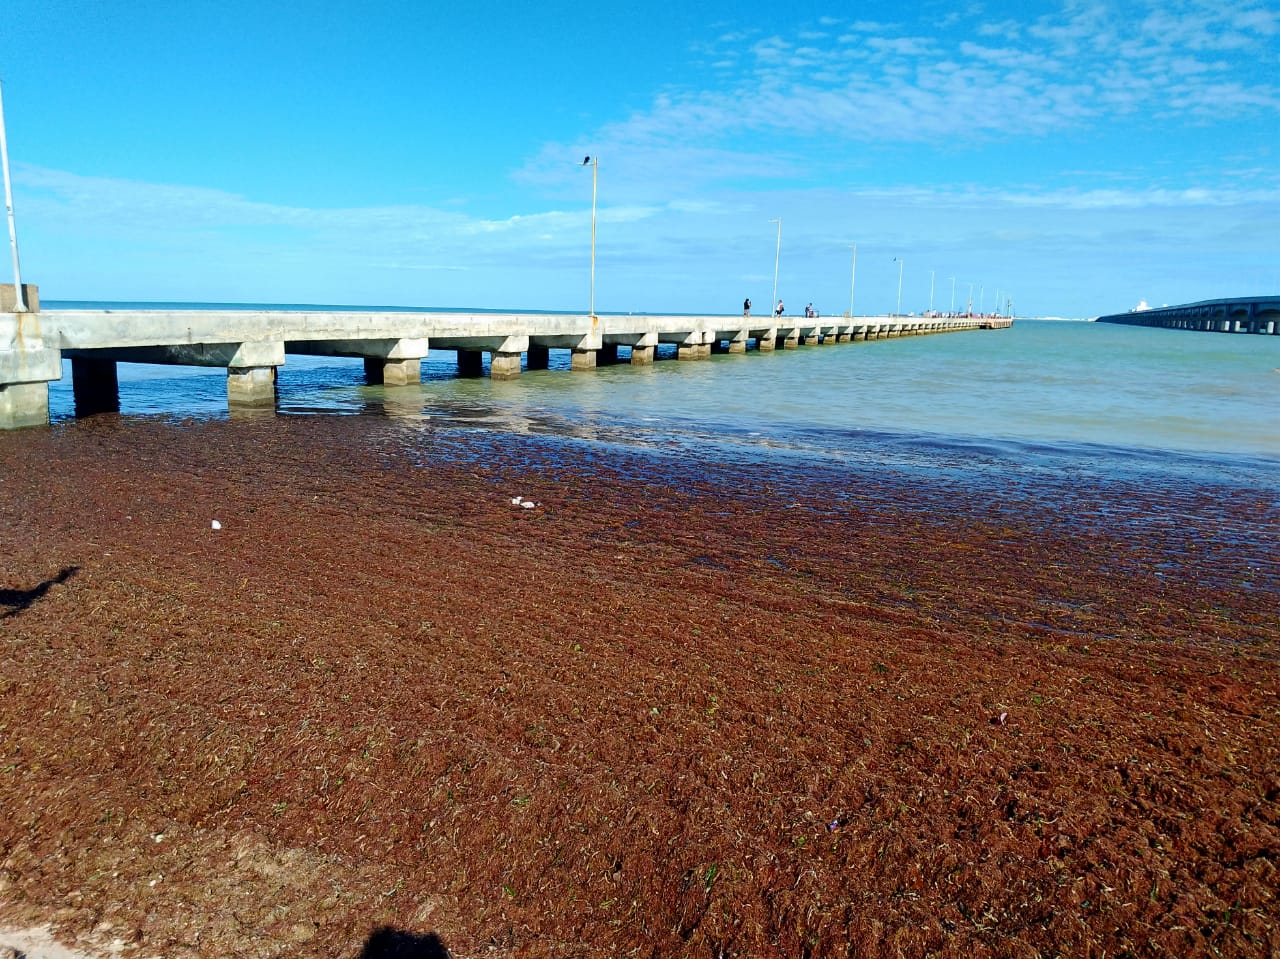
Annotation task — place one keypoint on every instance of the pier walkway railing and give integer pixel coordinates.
(250, 344)
(1259, 314)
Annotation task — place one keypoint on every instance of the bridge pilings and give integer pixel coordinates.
(1253, 315)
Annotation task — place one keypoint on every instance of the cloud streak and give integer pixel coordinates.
(1084, 68)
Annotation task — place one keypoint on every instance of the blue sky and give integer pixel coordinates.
(1075, 157)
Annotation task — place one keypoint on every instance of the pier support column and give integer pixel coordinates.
(251, 371)
(401, 372)
(470, 363)
(95, 385)
(792, 341)
(24, 404)
(738, 344)
(693, 351)
(812, 339)
(251, 386)
(642, 355)
(539, 358)
(582, 360)
(26, 365)
(767, 341)
(504, 366)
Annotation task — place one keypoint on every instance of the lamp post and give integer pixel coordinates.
(899, 309)
(953, 294)
(853, 279)
(777, 257)
(931, 273)
(19, 301)
(595, 174)
(969, 309)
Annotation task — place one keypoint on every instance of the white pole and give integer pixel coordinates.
(931, 272)
(898, 312)
(595, 173)
(20, 300)
(953, 294)
(777, 257)
(853, 279)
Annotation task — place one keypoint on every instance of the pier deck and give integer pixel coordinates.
(251, 344)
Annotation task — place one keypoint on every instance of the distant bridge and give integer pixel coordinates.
(1259, 314)
(250, 344)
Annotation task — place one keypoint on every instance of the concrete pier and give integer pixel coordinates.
(252, 344)
(28, 363)
(1257, 315)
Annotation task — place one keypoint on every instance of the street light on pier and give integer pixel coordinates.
(898, 311)
(594, 163)
(953, 294)
(969, 309)
(853, 278)
(19, 300)
(777, 257)
(931, 272)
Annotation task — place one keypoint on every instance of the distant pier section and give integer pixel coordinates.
(1258, 314)
(251, 344)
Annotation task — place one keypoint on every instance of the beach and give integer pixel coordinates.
(762, 708)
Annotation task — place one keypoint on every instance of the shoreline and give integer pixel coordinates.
(664, 708)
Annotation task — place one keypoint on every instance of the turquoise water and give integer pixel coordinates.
(1037, 395)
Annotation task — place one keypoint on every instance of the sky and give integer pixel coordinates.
(1068, 158)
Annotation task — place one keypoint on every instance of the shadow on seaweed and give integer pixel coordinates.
(388, 943)
(20, 599)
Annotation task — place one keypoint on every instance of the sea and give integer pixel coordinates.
(1157, 425)
(1040, 388)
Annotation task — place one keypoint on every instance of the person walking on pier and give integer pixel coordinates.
(746, 307)
(779, 309)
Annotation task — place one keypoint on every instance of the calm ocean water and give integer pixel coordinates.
(1042, 397)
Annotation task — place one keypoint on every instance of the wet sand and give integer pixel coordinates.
(674, 709)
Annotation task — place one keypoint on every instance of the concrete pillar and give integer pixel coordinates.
(95, 385)
(26, 364)
(251, 386)
(9, 297)
(642, 355)
(738, 344)
(470, 363)
(767, 342)
(792, 342)
(397, 371)
(539, 358)
(504, 366)
(693, 351)
(24, 404)
(582, 360)
(402, 372)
